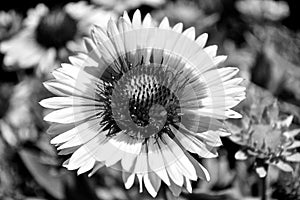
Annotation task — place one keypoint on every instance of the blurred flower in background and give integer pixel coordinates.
(268, 139)
(263, 9)
(44, 40)
(187, 12)
(10, 24)
(120, 5)
(88, 15)
(22, 121)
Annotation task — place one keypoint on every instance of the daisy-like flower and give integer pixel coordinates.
(145, 100)
(47, 34)
(268, 140)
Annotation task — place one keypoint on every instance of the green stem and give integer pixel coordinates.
(264, 188)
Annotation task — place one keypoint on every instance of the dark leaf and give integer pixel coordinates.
(53, 185)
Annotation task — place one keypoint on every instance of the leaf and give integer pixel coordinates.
(294, 158)
(53, 185)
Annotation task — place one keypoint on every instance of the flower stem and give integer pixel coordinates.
(264, 188)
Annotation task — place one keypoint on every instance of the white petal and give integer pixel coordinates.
(156, 162)
(140, 178)
(136, 20)
(152, 183)
(192, 144)
(62, 102)
(106, 48)
(128, 179)
(200, 170)
(86, 167)
(72, 114)
(284, 166)
(97, 166)
(56, 129)
(133, 149)
(147, 22)
(85, 152)
(227, 73)
(115, 149)
(211, 50)
(295, 144)
(211, 138)
(141, 165)
(175, 189)
(164, 23)
(171, 164)
(291, 133)
(126, 17)
(178, 28)
(294, 158)
(188, 185)
(68, 151)
(81, 134)
(232, 114)
(202, 39)
(89, 45)
(79, 158)
(219, 59)
(58, 88)
(190, 33)
(184, 163)
(70, 89)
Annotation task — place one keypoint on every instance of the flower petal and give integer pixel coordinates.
(72, 114)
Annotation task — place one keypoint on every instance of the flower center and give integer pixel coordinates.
(266, 138)
(143, 102)
(55, 29)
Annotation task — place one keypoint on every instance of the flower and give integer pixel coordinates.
(10, 23)
(267, 138)
(143, 99)
(47, 34)
(189, 13)
(264, 9)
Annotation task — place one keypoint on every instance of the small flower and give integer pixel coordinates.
(144, 99)
(10, 23)
(267, 139)
(264, 9)
(46, 35)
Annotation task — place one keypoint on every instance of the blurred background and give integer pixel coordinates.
(260, 37)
